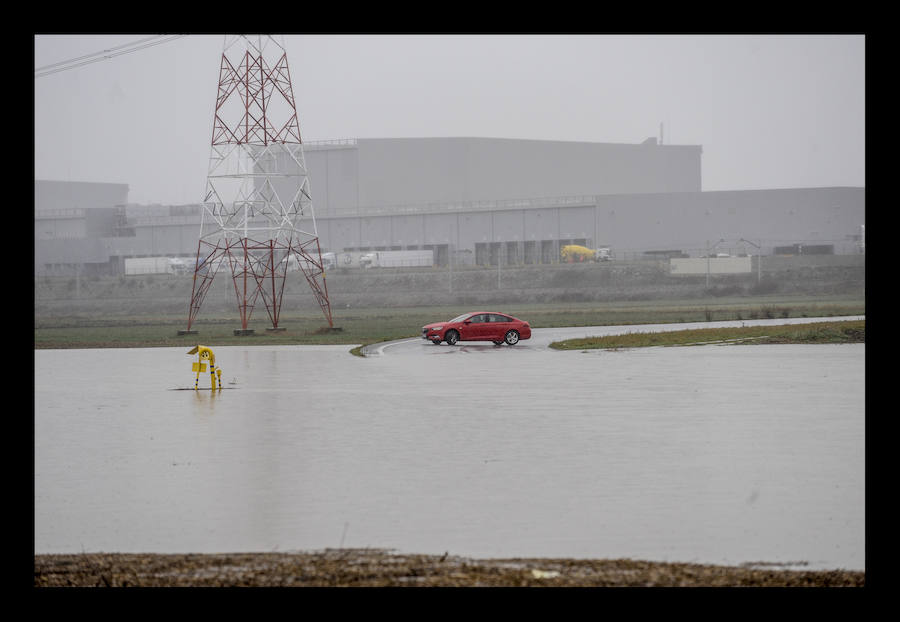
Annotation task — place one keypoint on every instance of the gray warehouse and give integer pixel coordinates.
(475, 200)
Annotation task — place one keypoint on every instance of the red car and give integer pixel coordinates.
(478, 326)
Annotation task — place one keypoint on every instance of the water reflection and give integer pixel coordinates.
(205, 402)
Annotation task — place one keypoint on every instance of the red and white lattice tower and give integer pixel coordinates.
(257, 216)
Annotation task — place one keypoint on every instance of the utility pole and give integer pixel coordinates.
(708, 253)
(499, 247)
(758, 259)
(450, 263)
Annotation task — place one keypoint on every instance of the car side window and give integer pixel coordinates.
(477, 319)
(500, 318)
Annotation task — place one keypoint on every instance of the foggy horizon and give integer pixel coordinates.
(769, 111)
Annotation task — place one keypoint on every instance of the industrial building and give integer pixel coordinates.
(476, 200)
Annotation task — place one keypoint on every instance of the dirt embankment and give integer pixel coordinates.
(380, 568)
(386, 287)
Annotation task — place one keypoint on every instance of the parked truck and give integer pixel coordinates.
(328, 262)
(573, 253)
(397, 259)
(154, 265)
(349, 259)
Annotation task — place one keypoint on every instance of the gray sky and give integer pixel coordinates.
(770, 111)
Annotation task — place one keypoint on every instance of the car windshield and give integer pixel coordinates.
(460, 318)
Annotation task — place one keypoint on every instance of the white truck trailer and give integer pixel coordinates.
(397, 259)
(154, 265)
(293, 263)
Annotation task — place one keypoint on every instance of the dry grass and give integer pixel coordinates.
(381, 568)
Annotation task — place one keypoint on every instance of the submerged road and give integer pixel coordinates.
(541, 338)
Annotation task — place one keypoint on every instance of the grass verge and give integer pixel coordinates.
(818, 332)
(372, 325)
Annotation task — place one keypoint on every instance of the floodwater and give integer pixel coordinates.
(710, 454)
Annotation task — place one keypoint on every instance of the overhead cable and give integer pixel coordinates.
(87, 59)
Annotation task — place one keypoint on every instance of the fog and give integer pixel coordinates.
(770, 111)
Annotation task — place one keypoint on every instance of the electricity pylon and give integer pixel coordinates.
(257, 217)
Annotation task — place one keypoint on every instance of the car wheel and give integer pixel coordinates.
(452, 337)
(512, 338)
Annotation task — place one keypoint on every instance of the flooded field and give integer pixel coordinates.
(721, 455)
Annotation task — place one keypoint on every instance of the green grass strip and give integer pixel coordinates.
(818, 332)
(371, 325)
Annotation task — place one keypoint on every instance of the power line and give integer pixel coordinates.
(67, 62)
(87, 59)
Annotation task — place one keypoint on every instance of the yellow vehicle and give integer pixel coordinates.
(573, 253)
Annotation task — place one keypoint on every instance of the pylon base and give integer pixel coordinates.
(187, 332)
(241, 332)
(273, 329)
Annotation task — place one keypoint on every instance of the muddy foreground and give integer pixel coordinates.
(383, 568)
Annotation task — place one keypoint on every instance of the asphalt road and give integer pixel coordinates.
(541, 338)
